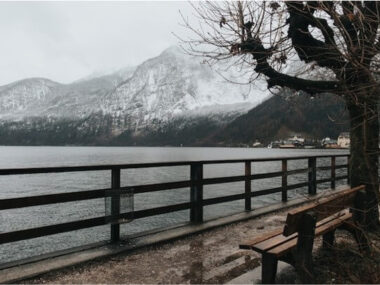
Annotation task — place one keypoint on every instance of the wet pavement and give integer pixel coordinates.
(208, 258)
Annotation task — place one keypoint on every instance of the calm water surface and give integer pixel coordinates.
(30, 185)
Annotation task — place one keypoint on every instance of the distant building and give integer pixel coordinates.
(289, 144)
(294, 141)
(344, 140)
(329, 143)
(257, 143)
(297, 139)
(275, 144)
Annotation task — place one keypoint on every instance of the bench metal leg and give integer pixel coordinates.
(304, 267)
(303, 256)
(269, 268)
(328, 240)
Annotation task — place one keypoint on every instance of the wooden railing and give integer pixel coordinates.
(196, 202)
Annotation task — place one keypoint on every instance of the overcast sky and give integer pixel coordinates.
(65, 41)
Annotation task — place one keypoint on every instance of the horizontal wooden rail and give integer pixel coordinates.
(324, 168)
(329, 167)
(297, 185)
(304, 157)
(220, 180)
(223, 199)
(297, 171)
(341, 166)
(157, 187)
(266, 191)
(40, 170)
(14, 203)
(51, 229)
(60, 169)
(156, 211)
(87, 223)
(324, 180)
(341, 177)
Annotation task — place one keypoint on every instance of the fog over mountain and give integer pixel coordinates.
(172, 87)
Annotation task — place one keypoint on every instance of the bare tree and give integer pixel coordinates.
(339, 40)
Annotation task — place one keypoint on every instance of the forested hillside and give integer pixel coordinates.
(277, 118)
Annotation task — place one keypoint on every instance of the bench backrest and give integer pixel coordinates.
(323, 207)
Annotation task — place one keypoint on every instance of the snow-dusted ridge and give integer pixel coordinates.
(169, 86)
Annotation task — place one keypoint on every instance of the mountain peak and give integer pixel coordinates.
(32, 80)
(173, 50)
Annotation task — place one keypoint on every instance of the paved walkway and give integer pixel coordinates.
(210, 257)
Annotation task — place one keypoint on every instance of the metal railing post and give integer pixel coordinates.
(333, 172)
(284, 180)
(115, 204)
(248, 206)
(312, 165)
(196, 192)
(348, 170)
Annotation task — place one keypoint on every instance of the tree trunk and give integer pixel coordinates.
(364, 151)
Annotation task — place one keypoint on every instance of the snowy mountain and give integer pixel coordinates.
(175, 85)
(172, 87)
(21, 96)
(39, 97)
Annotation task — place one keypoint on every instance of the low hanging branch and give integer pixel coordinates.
(275, 78)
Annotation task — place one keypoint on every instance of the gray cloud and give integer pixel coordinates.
(65, 41)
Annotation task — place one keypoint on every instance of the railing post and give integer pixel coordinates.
(333, 172)
(248, 206)
(115, 204)
(196, 192)
(284, 182)
(312, 164)
(348, 171)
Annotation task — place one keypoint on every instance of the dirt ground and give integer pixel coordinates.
(344, 264)
(214, 257)
(211, 257)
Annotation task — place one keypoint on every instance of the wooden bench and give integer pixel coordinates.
(294, 243)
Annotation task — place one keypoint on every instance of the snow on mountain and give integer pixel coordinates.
(171, 85)
(82, 98)
(19, 96)
(174, 85)
(38, 97)
(117, 75)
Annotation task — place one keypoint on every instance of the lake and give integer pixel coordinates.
(30, 185)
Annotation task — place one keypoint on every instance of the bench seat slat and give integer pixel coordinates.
(248, 244)
(320, 230)
(273, 242)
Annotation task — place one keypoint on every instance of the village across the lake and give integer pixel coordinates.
(298, 141)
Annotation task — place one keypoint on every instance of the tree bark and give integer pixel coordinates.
(364, 151)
